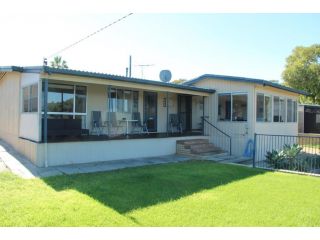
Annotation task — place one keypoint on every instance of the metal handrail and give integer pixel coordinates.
(219, 130)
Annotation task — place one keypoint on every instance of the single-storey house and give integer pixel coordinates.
(62, 116)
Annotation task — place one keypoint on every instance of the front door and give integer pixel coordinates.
(185, 111)
(150, 110)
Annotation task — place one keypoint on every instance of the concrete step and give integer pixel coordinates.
(193, 141)
(202, 147)
(205, 149)
(197, 147)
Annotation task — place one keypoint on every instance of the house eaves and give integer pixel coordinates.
(50, 70)
(246, 80)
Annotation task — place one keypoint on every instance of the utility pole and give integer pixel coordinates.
(142, 66)
(130, 63)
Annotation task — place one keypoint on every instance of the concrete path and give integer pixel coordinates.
(22, 167)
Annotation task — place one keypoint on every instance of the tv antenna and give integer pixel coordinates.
(142, 66)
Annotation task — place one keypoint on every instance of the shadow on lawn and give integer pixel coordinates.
(129, 189)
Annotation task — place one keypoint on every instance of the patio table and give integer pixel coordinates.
(127, 124)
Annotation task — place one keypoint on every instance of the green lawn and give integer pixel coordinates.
(182, 194)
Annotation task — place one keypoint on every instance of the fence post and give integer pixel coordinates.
(254, 150)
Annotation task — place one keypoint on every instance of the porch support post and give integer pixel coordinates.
(45, 121)
(45, 111)
(109, 106)
(203, 116)
(167, 102)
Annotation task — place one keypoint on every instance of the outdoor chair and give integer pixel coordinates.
(175, 123)
(114, 124)
(138, 126)
(96, 123)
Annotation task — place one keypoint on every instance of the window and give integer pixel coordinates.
(124, 101)
(267, 109)
(30, 98)
(81, 99)
(224, 108)
(279, 109)
(113, 100)
(276, 109)
(127, 101)
(264, 108)
(282, 110)
(291, 110)
(66, 99)
(135, 97)
(119, 100)
(239, 107)
(317, 118)
(60, 98)
(260, 107)
(295, 109)
(66, 102)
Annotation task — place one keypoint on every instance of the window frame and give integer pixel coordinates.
(73, 113)
(285, 99)
(294, 112)
(30, 98)
(231, 107)
(265, 95)
(114, 107)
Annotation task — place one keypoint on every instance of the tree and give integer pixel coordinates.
(58, 62)
(178, 81)
(302, 71)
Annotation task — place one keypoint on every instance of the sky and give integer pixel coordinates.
(189, 45)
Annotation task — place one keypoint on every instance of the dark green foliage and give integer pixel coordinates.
(302, 71)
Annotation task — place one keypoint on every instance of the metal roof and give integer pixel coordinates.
(310, 105)
(244, 79)
(11, 69)
(50, 70)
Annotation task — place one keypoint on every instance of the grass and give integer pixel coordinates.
(182, 194)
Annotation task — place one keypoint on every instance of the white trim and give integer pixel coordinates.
(74, 100)
(66, 113)
(264, 100)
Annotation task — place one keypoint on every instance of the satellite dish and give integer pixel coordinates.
(165, 75)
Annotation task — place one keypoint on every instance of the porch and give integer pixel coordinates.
(73, 111)
(71, 117)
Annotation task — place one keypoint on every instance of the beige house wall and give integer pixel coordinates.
(10, 116)
(29, 127)
(241, 132)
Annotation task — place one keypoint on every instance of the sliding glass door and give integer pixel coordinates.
(150, 110)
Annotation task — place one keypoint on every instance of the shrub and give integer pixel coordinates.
(293, 158)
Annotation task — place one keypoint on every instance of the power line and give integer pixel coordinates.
(88, 36)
